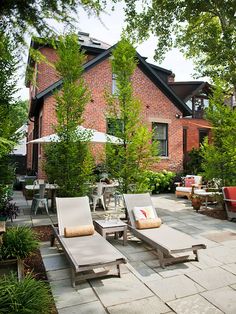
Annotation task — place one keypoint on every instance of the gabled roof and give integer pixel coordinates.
(143, 65)
(163, 73)
(186, 90)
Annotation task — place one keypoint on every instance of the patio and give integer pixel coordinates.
(207, 286)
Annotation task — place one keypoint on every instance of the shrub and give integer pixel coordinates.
(159, 181)
(18, 242)
(26, 296)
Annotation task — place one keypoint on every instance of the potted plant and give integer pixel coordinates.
(196, 201)
(17, 244)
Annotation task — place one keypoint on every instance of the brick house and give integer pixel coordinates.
(165, 105)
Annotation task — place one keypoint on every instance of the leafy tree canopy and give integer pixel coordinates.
(18, 17)
(203, 29)
(219, 156)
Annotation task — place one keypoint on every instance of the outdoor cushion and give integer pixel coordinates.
(148, 223)
(189, 182)
(144, 212)
(78, 231)
(230, 194)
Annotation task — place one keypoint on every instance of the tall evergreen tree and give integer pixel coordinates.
(128, 161)
(69, 161)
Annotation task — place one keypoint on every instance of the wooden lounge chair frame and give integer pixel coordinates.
(167, 246)
(80, 251)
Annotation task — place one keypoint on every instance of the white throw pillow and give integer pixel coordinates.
(144, 212)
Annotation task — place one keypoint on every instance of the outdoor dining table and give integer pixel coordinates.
(49, 186)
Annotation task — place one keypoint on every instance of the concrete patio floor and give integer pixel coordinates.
(207, 286)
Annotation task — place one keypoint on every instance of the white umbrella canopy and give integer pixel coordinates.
(96, 137)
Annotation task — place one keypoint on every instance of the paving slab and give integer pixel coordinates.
(171, 288)
(206, 261)
(87, 308)
(113, 291)
(213, 278)
(142, 256)
(152, 305)
(59, 274)
(176, 269)
(223, 254)
(221, 236)
(230, 243)
(55, 262)
(65, 295)
(194, 304)
(143, 272)
(224, 299)
(230, 268)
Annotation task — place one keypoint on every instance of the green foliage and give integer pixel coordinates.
(25, 296)
(203, 30)
(159, 182)
(69, 162)
(193, 162)
(17, 18)
(220, 156)
(128, 161)
(18, 242)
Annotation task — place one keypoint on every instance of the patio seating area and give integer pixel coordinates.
(207, 286)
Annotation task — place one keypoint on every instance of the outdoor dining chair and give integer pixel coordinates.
(98, 195)
(40, 199)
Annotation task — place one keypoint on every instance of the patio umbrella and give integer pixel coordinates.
(96, 137)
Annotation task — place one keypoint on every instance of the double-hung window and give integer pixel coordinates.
(160, 134)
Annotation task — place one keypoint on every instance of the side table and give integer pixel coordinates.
(115, 226)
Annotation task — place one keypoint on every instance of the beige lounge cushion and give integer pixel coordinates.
(144, 212)
(78, 231)
(148, 223)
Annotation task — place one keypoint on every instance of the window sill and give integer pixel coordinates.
(164, 157)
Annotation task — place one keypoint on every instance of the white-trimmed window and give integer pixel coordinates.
(114, 85)
(160, 134)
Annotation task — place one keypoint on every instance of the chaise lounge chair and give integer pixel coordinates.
(89, 253)
(168, 242)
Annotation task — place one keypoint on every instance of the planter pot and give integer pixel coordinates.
(15, 265)
(196, 203)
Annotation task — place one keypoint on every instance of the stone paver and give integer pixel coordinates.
(66, 296)
(152, 305)
(224, 299)
(143, 272)
(230, 268)
(113, 291)
(174, 270)
(54, 262)
(223, 254)
(213, 278)
(86, 308)
(207, 286)
(174, 287)
(194, 304)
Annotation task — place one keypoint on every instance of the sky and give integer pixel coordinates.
(109, 31)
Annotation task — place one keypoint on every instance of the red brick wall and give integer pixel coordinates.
(156, 108)
(193, 126)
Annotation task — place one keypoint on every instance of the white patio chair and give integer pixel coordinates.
(99, 195)
(40, 199)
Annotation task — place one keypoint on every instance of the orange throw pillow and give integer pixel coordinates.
(148, 223)
(78, 231)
